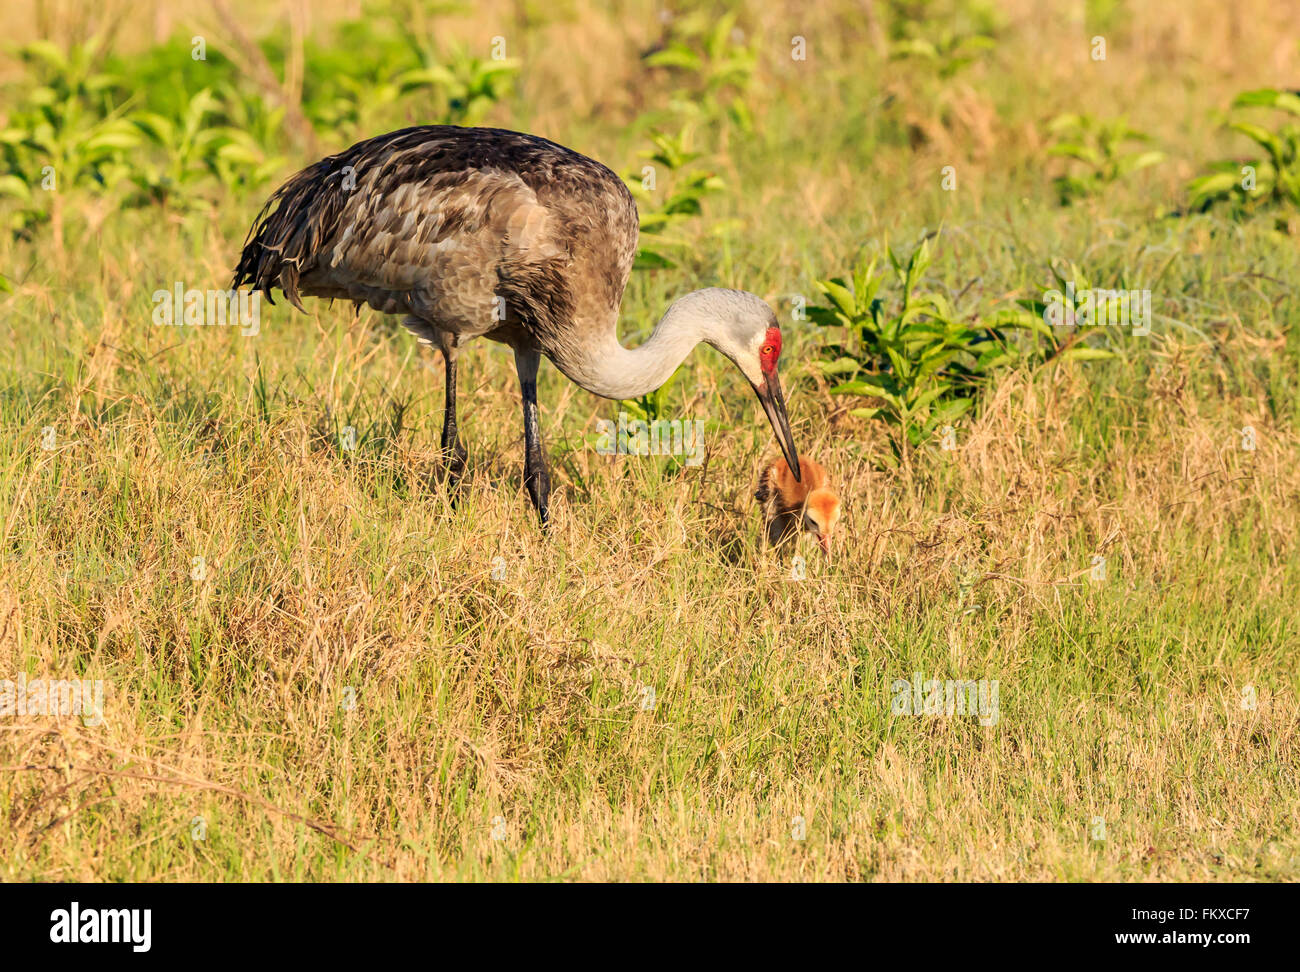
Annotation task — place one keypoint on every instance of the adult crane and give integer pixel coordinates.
(481, 232)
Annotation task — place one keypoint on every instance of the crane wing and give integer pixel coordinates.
(447, 224)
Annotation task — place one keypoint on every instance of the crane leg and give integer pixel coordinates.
(453, 453)
(536, 479)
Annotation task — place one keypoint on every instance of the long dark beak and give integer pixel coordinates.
(769, 393)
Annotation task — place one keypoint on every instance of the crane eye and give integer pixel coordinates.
(767, 349)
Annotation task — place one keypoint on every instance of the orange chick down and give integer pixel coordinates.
(789, 505)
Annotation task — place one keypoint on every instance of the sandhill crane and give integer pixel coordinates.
(480, 232)
(791, 503)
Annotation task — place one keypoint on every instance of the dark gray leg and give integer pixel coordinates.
(453, 453)
(536, 480)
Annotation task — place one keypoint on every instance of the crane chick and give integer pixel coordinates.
(790, 505)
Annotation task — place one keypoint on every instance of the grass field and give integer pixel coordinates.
(315, 667)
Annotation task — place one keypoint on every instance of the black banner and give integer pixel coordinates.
(336, 922)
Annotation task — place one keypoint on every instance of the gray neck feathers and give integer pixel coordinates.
(604, 367)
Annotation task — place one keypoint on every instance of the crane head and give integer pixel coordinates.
(743, 327)
(768, 389)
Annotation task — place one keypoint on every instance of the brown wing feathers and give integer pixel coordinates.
(298, 218)
(401, 191)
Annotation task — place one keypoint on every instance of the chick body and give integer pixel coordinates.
(791, 505)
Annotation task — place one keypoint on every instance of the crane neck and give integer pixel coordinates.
(608, 369)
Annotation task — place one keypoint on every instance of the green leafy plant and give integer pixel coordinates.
(473, 85)
(653, 405)
(664, 208)
(928, 44)
(193, 150)
(1101, 153)
(943, 37)
(27, 214)
(908, 350)
(949, 52)
(357, 81)
(712, 62)
(65, 135)
(1252, 183)
(913, 18)
(389, 68)
(458, 89)
(1072, 312)
(465, 87)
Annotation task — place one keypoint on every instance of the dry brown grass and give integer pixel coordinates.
(520, 698)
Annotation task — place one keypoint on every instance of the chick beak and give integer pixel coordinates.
(824, 541)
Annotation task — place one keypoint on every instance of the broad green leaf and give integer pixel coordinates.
(952, 409)
(839, 295)
(111, 140)
(1146, 160)
(1286, 101)
(677, 56)
(914, 48)
(11, 185)
(840, 366)
(863, 388)
(1261, 135)
(651, 260)
(1076, 150)
(1084, 353)
(45, 52)
(926, 397)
